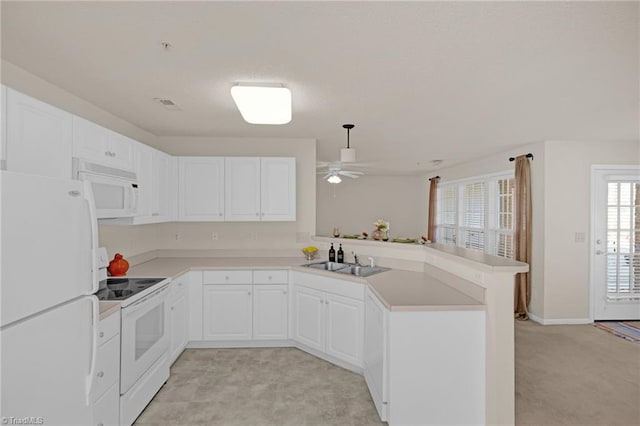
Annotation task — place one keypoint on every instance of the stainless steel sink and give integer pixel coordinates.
(327, 266)
(347, 268)
(361, 270)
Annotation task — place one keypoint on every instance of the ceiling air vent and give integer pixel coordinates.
(168, 104)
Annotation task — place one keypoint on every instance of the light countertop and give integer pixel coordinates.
(108, 308)
(398, 290)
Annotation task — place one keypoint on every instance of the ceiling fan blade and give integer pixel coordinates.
(351, 173)
(327, 175)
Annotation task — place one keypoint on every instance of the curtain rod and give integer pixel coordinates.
(435, 177)
(529, 155)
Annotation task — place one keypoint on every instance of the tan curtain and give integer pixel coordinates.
(523, 235)
(431, 229)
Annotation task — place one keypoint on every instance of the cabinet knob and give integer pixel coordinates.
(101, 334)
(179, 284)
(269, 276)
(226, 278)
(107, 153)
(284, 292)
(100, 424)
(257, 214)
(219, 214)
(172, 308)
(249, 293)
(100, 374)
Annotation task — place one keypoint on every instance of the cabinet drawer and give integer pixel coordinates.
(108, 327)
(227, 277)
(107, 367)
(271, 277)
(106, 410)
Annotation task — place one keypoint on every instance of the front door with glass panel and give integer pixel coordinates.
(616, 243)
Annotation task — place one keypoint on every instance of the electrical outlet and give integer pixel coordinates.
(214, 236)
(302, 237)
(178, 236)
(579, 237)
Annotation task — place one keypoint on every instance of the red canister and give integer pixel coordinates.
(118, 266)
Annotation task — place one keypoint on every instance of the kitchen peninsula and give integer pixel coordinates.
(472, 293)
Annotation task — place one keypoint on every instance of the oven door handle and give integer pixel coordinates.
(140, 304)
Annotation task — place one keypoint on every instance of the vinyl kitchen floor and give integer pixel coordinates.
(259, 387)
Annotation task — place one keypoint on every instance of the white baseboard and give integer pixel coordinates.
(209, 344)
(558, 321)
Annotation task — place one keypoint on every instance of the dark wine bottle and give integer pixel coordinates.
(332, 254)
(340, 255)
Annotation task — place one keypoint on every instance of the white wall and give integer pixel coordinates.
(354, 204)
(560, 180)
(266, 236)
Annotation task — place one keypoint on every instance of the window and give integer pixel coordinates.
(477, 214)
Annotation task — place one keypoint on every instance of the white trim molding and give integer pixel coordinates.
(559, 321)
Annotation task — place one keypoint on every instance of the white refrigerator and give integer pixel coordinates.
(49, 315)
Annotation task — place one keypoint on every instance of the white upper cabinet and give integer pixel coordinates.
(97, 144)
(201, 189)
(39, 137)
(162, 195)
(146, 179)
(278, 188)
(242, 189)
(260, 189)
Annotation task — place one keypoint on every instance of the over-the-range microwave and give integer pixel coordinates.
(115, 191)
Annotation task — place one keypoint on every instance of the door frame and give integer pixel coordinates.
(595, 168)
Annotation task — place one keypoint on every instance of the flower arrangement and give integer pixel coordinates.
(381, 225)
(382, 230)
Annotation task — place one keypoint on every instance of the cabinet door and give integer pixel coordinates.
(309, 317)
(120, 151)
(90, 141)
(193, 281)
(178, 324)
(227, 312)
(374, 354)
(278, 189)
(201, 191)
(242, 189)
(162, 188)
(270, 312)
(345, 328)
(39, 137)
(146, 184)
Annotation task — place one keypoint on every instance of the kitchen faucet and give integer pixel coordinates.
(355, 258)
(372, 262)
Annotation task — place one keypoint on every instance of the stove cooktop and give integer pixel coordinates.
(123, 288)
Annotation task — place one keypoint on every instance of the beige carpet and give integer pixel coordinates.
(575, 375)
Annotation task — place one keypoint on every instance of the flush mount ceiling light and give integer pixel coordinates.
(263, 103)
(348, 154)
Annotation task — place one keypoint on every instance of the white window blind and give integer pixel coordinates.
(447, 214)
(478, 214)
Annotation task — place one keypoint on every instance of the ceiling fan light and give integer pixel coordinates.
(334, 179)
(348, 155)
(263, 103)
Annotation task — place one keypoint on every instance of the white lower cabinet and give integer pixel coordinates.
(245, 305)
(375, 352)
(329, 322)
(178, 317)
(227, 312)
(105, 390)
(270, 319)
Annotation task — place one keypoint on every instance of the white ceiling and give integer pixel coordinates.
(421, 80)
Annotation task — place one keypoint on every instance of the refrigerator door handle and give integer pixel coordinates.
(93, 218)
(95, 308)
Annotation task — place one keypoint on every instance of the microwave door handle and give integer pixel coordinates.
(134, 198)
(93, 219)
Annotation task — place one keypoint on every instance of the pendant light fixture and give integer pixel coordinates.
(348, 154)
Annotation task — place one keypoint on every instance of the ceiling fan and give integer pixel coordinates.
(334, 171)
(347, 155)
